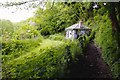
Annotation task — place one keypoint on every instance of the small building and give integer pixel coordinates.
(76, 30)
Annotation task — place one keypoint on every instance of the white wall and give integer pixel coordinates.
(71, 34)
(68, 34)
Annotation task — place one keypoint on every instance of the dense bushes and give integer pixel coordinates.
(49, 60)
(57, 37)
(26, 31)
(6, 27)
(17, 45)
(16, 48)
(107, 41)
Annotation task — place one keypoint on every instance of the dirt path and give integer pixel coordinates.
(90, 66)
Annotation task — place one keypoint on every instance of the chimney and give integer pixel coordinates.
(80, 23)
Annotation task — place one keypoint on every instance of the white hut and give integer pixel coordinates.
(76, 30)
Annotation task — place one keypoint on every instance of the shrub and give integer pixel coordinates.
(19, 45)
(49, 60)
(59, 37)
(107, 41)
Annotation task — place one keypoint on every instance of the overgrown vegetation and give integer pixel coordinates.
(104, 38)
(26, 54)
(48, 59)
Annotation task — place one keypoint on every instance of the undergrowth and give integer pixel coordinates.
(38, 59)
(106, 40)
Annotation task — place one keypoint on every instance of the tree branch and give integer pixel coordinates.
(8, 4)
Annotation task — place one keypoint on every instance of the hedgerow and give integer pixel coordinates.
(106, 40)
(48, 60)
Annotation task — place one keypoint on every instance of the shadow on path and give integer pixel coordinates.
(91, 65)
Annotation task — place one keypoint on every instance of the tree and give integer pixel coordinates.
(114, 14)
(6, 26)
(56, 18)
(114, 11)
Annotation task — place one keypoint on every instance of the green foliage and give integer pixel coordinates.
(12, 47)
(58, 16)
(0, 39)
(56, 19)
(75, 50)
(116, 69)
(47, 60)
(107, 41)
(26, 32)
(59, 37)
(6, 28)
(25, 58)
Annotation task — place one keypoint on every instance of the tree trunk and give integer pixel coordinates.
(113, 18)
(115, 23)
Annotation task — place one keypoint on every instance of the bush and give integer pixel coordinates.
(107, 41)
(59, 37)
(19, 45)
(49, 60)
(75, 50)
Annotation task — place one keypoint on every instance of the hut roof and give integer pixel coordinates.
(76, 26)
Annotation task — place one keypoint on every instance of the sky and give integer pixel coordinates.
(15, 15)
